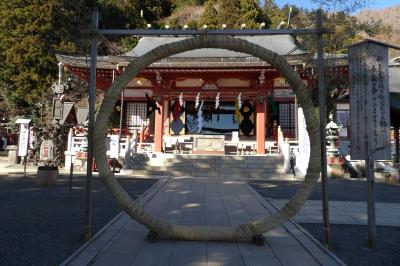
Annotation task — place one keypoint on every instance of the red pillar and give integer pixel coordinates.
(158, 128)
(260, 124)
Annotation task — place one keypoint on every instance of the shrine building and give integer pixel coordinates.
(224, 100)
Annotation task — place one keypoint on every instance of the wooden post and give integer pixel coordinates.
(322, 100)
(158, 128)
(92, 105)
(121, 120)
(25, 159)
(71, 172)
(397, 140)
(260, 125)
(369, 163)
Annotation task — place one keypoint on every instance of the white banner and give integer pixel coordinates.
(23, 139)
(114, 143)
(304, 145)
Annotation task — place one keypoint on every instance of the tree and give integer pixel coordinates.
(232, 13)
(343, 5)
(177, 4)
(273, 14)
(229, 13)
(250, 13)
(32, 32)
(210, 15)
(186, 15)
(30, 35)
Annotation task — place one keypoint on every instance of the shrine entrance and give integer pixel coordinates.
(175, 231)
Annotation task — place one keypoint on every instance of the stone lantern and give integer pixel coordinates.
(332, 136)
(335, 161)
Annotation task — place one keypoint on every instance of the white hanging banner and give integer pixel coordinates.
(197, 100)
(181, 99)
(217, 101)
(23, 139)
(240, 100)
(114, 142)
(200, 117)
(304, 145)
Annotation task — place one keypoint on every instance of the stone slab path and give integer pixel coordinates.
(346, 212)
(201, 201)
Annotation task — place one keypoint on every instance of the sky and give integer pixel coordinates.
(376, 4)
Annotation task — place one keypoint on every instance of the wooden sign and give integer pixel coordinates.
(369, 101)
(47, 150)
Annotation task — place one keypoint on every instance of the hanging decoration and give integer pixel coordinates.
(151, 106)
(197, 101)
(217, 101)
(200, 117)
(274, 106)
(240, 100)
(238, 115)
(177, 125)
(181, 99)
(246, 125)
(176, 112)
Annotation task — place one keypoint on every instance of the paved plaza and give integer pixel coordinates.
(346, 212)
(200, 201)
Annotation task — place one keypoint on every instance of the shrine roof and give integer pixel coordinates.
(205, 57)
(280, 44)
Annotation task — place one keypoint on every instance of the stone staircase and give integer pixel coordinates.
(263, 167)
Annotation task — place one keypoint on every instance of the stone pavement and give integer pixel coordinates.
(7, 169)
(346, 212)
(201, 201)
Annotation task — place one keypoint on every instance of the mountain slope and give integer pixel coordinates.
(390, 19)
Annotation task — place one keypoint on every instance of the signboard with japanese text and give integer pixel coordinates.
(304, 145)
(369, 101)
(47, 150)
(23, 140)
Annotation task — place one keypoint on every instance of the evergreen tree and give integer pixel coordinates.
(31, 32)
(229, 13)
(176, 4)
(250, 13)
(210, 15)
(273, 14)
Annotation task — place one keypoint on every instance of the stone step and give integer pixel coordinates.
(210, 174)
(218, 158)
(264, 167)
(223, 168)
(245, 167)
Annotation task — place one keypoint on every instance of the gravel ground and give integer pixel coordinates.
(42, 226)
(338, 189)
(349, 242)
